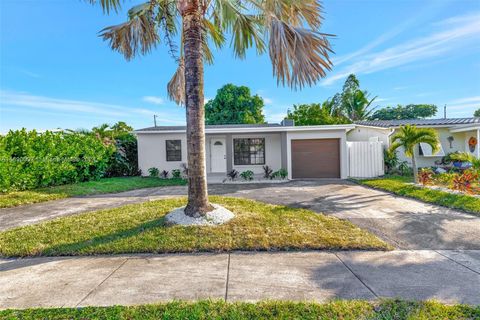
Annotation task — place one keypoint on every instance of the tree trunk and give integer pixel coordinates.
(415, 170)
(192, 15)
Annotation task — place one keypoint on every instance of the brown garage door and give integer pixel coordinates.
(317, 158)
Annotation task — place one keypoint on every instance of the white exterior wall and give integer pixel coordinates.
(152, 151)
(458, 144)
(319, 134)
(273, 152)
(365, 133)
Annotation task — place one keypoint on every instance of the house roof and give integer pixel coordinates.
(246, 128)
(419, 122)
(216, 126)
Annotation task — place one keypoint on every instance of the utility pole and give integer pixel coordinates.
(445, 112)
(155, 120)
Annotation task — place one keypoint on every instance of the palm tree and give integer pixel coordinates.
(357, 105)
(289, 29)
(409, 137)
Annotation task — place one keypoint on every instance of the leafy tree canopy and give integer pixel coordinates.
(477, 113)
(352, 104)
(316, 114)
(234, 105)
(411, 111)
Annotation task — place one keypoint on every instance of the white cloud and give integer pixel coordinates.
(14, 100)
(267, 100)
(153, 99)
(466, 100)
(459, 33)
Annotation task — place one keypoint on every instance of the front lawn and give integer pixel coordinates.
(347, 310)
(403, 186)
(140, 228)
(105, 185)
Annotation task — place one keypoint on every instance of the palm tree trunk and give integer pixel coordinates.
(415, 170)
(192, 15)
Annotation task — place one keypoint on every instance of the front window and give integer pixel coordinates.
(174, 150)
(248, 151)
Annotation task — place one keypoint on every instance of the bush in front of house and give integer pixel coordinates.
(153, 172)
(247, 175)
(280, 174)
(232, 174)
(176, 174)
(30, 160)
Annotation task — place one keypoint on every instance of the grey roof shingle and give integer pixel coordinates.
(217, 126)
(419, 122)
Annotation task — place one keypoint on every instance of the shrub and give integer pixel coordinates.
(425, 176)
(232, 174)
(164, 174)
(445, 179)
(282, 174)
(153, 172)
(124, 161)
(391, 161)
(31, 160)
(464, 182)
(404, 169)
(176, 174)
(267, 172)
(247, 175)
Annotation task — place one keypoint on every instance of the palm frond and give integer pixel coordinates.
(299, 56)
(215, 35)
(294, 12)
(176, 86)
(139, 34)
(246, 28)
(107, 5)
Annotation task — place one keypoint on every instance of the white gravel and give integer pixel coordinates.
(219, 215)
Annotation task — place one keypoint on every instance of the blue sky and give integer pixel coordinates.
(56, 72)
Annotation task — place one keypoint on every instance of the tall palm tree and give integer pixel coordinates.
(289, 29)
(409, 137)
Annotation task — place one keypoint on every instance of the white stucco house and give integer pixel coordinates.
(323, 151)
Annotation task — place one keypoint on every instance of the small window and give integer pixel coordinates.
(249, 151)
(218, 143)
(174, 150)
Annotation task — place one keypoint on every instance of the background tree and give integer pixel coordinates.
(409, 137)
(353, 103)
(315, 114)
(411, 111)
(234, 105)
(477, 113)
(288, 29)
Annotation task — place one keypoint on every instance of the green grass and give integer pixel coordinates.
(106, 185)
(341, 309)
(402, 186)
(140, 228)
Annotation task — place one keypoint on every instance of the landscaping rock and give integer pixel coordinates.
(219, 215)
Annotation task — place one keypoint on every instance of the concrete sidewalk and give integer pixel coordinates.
(448, 276)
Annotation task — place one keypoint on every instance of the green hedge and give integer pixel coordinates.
(29, 159)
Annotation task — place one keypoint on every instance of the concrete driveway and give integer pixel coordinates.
(405, 223)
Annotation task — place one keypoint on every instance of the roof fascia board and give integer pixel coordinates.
(256, 130)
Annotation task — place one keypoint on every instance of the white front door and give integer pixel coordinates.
(218, 155)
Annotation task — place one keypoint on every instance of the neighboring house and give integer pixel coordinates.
(323, 151)
(456, 135)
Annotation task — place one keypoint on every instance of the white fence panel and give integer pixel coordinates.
(365, 159)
